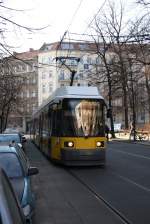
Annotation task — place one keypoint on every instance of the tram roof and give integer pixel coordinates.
(77, 92)
(73, 92)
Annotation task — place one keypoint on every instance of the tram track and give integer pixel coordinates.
(100, 198)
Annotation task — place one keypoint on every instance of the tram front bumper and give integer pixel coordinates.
(83, 156)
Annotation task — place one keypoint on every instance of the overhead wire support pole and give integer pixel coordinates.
(73, 72)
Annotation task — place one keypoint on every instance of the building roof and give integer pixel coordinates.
(75, 46)
(31, 54)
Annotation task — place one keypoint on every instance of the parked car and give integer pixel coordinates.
(13, 130)
(13, 138)
(10, 209)
(18, 169)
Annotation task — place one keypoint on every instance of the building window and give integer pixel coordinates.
(15, 68)
(21, 94)
(44, 88)
(18, 68)
(80, 75)
(43, 75)
(50, 74)
(73, 62)
(33, 94)
(86, 66)
(21, 109)
(28, 108)
(33, 107)
(66, 46)
(28, 94)
(28, 81)
(50, 59)
(142, 115)
(44, 60)
(98, 60)
(33, 81)
(34, 66)
(81, 61)
(61, 75)
(50, 87)
(30, 68)
(66, 76)
(89, 61)
(83, 46)
(24, 94)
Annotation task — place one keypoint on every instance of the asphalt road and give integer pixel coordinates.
(92, 195)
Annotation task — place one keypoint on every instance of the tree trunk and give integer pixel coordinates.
(148, 93)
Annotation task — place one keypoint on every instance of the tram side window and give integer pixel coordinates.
(67, 124)
(59, 122)
(45, 121)
(56, 123)
(50, 121)
(36, 126)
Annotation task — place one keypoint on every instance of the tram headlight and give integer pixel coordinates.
(100, 144)
(69, 144)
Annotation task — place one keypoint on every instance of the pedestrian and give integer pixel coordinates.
(131, 130)
(107, 131)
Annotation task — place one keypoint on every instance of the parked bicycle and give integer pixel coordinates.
(140, 135)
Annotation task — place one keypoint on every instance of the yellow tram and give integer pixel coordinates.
(70, 126)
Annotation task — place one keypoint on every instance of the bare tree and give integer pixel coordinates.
(10, 87)
(104, 73)
(9, 25)
(109, 25)
(10, 84)
(140, 30)
(143, 2)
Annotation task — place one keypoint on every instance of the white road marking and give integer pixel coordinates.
(131, 154)
(127, 179)
(132, 182)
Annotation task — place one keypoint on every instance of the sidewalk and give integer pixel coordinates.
(125, 138)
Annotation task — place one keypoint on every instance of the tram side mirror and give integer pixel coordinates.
(56, 102)
(32, 171)
(108, 113)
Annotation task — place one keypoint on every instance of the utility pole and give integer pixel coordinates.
(72, 71)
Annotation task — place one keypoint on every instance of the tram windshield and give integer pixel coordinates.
(83, 117)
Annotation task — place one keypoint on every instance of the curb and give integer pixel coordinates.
(131, 141)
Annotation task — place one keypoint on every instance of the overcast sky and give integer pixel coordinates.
(60, 15)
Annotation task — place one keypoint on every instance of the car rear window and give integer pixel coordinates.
(10, 163)
(9, 138)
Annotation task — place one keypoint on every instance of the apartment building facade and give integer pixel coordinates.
(52, 66)
(25, 66)
(58, 61)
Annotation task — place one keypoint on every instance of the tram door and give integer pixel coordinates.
(40, 131)
(50, 123)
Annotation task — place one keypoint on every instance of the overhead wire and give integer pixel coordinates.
(72, 19)
(87, 41)
(75, 13)
(95, 15)
(69, 25)
(67, 30)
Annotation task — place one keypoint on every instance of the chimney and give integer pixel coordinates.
(14, 53)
